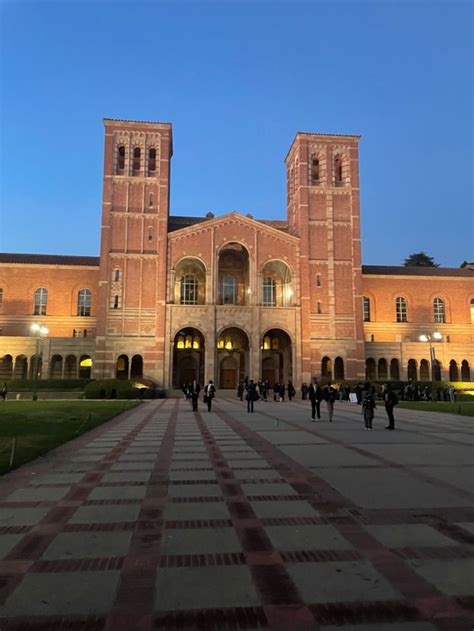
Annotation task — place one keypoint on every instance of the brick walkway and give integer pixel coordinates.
(166, 519)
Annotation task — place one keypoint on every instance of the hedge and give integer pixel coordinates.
(117, 389)
(60, 385)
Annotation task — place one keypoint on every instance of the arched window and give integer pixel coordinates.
(370, 369)
(401, 309)
(436, 370)
(180, 342)
(424, 370)
(366, 309)
(189, 290)
(314, 173)
(229, 290)
(326, 367)
(412, 371)
(116, 302)
(453, 371)
(465, 371)
(151, 161)
(472, 310)
(394, 369)
(84, 301)
(117, 275)
(339, 368)
(120, 158)
(318, 280)
(41, 301)
(267, 343)
(319, 308)
(338, 171)
(136, 368)
(382, 368)
(136, 161)
(269, 292)
(439, 311)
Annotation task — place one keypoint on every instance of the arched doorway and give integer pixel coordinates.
(36, 366)
(412, 371)
(370, 369)
(21, 367)
(424, 370)
(85, 367)
(326, 368)
(233, 357)
(276, 357)
(188, 357)
(465, 371)
(56, 367)
(233, 275)
(436, 368)
(70, 367)
(121, 369)
(382, 368)
(453, 371)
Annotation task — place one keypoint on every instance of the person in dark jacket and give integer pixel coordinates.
(329, 395)
(390, 399)
(281, 392)
(368, 405)
(251, 395)
(209, 394)
(291, 390)
(240, 390)
(315, 396)
(194, 390)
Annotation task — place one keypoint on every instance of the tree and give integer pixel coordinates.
(420, 259)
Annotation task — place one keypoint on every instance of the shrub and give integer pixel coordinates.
(59, 385)
(116, 389)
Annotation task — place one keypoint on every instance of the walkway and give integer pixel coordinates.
(166, 519)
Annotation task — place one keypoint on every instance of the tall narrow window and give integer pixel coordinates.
(151, 161)
(229, 290)
(189, 290)
(401, 309)
(439, 311)
(318, 280)
(1, 297)
(338, 171)
(314, 171)
(120, 159)
(269, 293)
(136, 161)
(319, 309)
(84, 301)
(116, 275)
(366, 309)
(41, 301)
(115, 304)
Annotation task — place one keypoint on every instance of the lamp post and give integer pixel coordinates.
(431, 337)
(39, 332)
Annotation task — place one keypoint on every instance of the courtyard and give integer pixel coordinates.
(167, 519)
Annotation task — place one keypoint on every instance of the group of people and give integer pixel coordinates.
(262, 388)
(191, 393)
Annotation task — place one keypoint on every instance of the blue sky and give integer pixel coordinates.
(237, 80)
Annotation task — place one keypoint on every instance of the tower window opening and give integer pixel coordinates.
(136, 161)
(338, 171)
(121, 158)
(314, 171)
(151, 161)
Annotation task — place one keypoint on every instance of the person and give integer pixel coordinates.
(368, 406)
(194, 391)
(390, 399)
(282, 392)
(263, 389)
(291, 390)
(240, 390)
(329, 395)
(315, 396)
(251, 395)
(3, 391)
(209, 394)
(276, 390)
(345, 390)
(358, 393)
(304, 391)
(184, 390)
(452, 394)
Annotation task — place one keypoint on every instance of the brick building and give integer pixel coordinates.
(172, 298)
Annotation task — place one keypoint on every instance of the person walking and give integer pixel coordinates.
(390, 399)
(315, 396)
(368, 406)
(291, 390)
(209, 394)
(251, 395)
(329, 395)
(194, 390)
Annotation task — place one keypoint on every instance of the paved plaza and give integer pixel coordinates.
(167, 519)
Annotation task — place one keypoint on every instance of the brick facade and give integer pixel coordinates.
(225, 297)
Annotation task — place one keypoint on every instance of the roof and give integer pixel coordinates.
(177, 222)
(402, 270)
(275, 223)
(321, 135)
(48, 259)
(126, 120)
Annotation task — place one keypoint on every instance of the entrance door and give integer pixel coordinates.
(228, 378)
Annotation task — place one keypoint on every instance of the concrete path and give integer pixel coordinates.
(166, 519)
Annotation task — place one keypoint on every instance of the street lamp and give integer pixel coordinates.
(432, 337)
(39, 332)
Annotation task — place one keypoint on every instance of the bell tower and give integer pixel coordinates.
(132, 282)
(324, 212)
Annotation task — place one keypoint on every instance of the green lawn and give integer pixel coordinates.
(466, 408)
(40, 426)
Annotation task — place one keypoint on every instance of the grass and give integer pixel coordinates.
(40, 426)
(465, 408)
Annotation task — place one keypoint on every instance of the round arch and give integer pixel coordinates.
(233, 356)
(276, 289)
(276, 356)
(6, 367)
(190, 274)
(188, 356)
(233, 274)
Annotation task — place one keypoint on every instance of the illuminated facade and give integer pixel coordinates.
(176, 298)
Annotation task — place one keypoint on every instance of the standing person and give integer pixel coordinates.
(368, 406)
(452, 394)
(276, 390)
(315, 396)
(184, 390)
(240, 390)
(3, 391)
(291, 390)
(194, 391)
(251, 395)
(329, 395)
(390, 399)
(263, 389)
(304, 391)
(209, 394)
(358, 393)
(282, 392)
